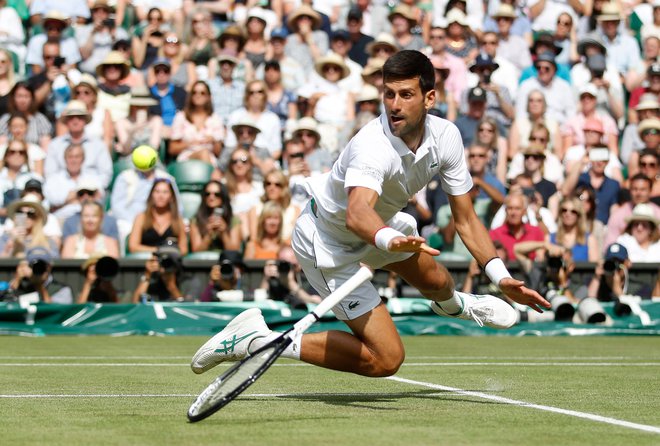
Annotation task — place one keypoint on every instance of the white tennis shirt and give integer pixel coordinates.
(377, 160)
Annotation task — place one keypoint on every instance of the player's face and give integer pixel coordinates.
(406, 108)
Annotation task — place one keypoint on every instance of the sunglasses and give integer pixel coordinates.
(477, 155)
(84, 92)
(643, 164)
(296, 155)
(489, 42)
(307, 133)
(251, 92)
(242, 160)
(331, 68)
(31, 213)
(564, 22)
(273, 183)
(200, 92)
(644, 224)
(14, 152)
(538, 139)
(246, 131)
(536, 157)
(172, 39)
(543, 68)
(572, 211)
(83, 192)
(437, 36)
(650, 132)
(215, 194)
(162, 70)
(486, 129)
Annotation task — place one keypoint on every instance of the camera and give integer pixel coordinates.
(38, 267)
(610, 266)
(487, 75)
(227, 270)
(59, 61)
(109, 23)
(555, 263)
(283, 268)
(219, 212)
(529, 192)
(169, 256)
(561, 305)
(107, 268)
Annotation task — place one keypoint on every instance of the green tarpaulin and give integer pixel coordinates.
(412, 317)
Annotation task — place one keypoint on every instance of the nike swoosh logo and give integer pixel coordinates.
(228, 345)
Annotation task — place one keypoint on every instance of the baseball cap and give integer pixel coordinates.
(38, 253)
(588, 88)
(161, 61)
(33, 185)
(279, 33)
(477, 94)
(340, 34)
(355, 13)
(616, 251)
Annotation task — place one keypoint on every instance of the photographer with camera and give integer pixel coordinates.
(283, 280)
(164, 278)
(99, 272)
(33, 275)
(225, 277)
(96, 38)
(499, 104)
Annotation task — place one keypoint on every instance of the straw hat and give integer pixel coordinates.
(534, 149)
(102, 4)
(303, 10)
(29, 200)
(114, 58)
(643, 212)
(368, 93)
(245, 121)
(332, 59)
(232, 31)
(308, 124)
(383, 39)
(88, 80)
(591, 39)
(648, 101)
(648, 124)
(76, 108)
(456, 16)
(227, 57)
(610, 12)
(141, 97)
(374, 65)
(505, 10)
(404, 11)
(56, 16)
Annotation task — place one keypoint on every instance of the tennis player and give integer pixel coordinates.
(354, 217)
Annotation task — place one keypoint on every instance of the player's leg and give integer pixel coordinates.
(374, 348)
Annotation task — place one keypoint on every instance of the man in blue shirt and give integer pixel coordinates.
(172, 98)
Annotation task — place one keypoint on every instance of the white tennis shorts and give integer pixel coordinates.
(310, 245)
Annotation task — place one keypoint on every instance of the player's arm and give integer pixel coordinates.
(478, 242)
(364, 221)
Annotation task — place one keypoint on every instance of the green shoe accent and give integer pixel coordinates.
(230, 344)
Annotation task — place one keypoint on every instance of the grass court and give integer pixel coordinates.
(451, 390)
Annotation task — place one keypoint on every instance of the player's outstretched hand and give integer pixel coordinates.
(412, 244)
(517, 291)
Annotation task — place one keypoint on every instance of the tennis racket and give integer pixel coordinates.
(243, 374)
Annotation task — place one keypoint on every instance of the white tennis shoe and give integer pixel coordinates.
(483, 309)
(232, 343)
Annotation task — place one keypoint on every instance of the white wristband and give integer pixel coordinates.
(384, 236)
(496, 270)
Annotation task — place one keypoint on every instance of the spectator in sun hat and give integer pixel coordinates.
(473, 10)
(14, 174)
(318, 159)
(96, 38)
(24, 228)
(246, 133)
(647, 107)
(651, 85)
(340, 44)
(558, 94)
(403, 20)
(460, 39)
(143, 125)
(372, 73)
(76, 10)
(112, 94)
(511, 47)
(306, 42)
(649, 132)
(383, 46)
(650, 56)
(101, 124)
(545, 42)
(522, 26)
(96, 154)
(642, 237)
(54, 24)
(622, 49)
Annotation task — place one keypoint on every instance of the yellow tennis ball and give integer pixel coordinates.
(144, 157)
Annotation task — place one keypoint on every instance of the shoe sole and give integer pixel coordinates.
(209, 346)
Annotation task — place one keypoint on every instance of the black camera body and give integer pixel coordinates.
(611, 266)
(59, 61)
(227, 270)
(38, 267)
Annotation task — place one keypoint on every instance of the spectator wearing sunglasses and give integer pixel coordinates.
(246, 131)
(14, 174)
(26, 229)
(215, 227)
(649, 133)
(183, 71)
(172, 98)
(113, 95)
(54, 23)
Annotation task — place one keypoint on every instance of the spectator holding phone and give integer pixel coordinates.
(215, 227)
(29, 217)
(54, 23)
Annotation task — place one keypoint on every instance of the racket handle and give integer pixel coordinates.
(333, 299)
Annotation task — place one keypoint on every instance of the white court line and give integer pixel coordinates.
(405, 364)
(499, 399)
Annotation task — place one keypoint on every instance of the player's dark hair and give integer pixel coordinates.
(409, 64)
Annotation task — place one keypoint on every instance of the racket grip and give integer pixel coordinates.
(361, 276)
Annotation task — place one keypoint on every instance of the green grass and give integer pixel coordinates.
(307, 405)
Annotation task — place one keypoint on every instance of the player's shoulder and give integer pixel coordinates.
(441, 127)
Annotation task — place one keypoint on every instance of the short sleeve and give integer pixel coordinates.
(454, 175)
(365, 169)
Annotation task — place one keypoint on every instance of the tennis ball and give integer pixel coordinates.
(144, 157)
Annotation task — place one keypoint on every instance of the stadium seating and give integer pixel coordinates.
(191, 175)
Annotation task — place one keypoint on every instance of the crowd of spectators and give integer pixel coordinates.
(557, 104)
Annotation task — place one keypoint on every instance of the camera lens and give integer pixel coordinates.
(38, 267)
(609, 266)
(226, 270)
(167, 263)
(283, 267)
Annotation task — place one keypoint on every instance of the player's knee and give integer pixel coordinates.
(387, 365)
(438, 284)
